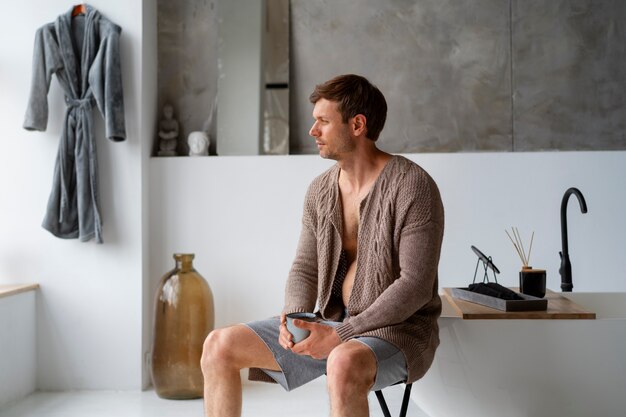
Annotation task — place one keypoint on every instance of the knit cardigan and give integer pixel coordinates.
(395, 293)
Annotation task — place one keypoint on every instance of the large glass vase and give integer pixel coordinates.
(184, 316)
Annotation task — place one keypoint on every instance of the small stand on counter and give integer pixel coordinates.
(487, 264)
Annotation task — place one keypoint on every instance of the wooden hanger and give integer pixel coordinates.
(79, 9)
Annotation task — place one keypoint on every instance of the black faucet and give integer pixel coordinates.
(566, 267)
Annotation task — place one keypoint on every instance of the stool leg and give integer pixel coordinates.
(405, 400)
(383, 403)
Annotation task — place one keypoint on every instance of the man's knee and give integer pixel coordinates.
(351, 366)
(217, 349)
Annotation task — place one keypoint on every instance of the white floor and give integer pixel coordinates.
(260, 400)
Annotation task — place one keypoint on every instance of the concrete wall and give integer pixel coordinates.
(444, 67)
(474, 75)
(569, 74)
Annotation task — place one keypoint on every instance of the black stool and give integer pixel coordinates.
(405, 401)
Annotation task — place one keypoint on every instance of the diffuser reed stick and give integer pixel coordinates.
(516, 240)
(531, 246)
(515, 246)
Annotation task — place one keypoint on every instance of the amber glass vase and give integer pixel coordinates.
(183, 318)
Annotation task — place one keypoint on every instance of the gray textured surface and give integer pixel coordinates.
(569, 62)
(444, 66)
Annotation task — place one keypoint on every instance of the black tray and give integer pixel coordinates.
(529, 303)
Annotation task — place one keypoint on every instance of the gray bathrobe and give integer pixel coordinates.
(83, 52)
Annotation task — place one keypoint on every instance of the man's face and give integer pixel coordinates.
(332, 136)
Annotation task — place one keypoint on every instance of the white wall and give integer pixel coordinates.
(18, 346)
(89, 305)
(241, 216)
(148, 131)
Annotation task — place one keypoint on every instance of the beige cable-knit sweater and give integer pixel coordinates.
(395, 293)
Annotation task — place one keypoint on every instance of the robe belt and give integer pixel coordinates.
(84, 104)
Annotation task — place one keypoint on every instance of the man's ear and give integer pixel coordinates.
(359, 125)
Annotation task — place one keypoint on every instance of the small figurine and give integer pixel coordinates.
(198, 144)
(168, 132)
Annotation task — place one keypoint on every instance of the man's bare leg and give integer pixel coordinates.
(351, 371)
(227, 351)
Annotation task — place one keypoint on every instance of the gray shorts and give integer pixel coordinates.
(297, 370)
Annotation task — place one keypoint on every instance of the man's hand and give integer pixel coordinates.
(322, 340)
(285, 338)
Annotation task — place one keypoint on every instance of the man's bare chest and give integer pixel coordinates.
(351, 218)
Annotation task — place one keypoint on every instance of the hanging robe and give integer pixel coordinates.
(83, 51)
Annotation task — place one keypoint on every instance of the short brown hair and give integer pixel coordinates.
(355, 95)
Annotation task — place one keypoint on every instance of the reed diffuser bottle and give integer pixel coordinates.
(531, 281)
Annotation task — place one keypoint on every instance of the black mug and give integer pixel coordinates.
(533, 282)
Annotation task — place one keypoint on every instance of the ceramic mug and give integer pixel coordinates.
(298, 333)
(532, 282)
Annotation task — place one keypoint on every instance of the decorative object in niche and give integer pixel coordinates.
(198, 143)
(168, 132)
(184, 316)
